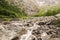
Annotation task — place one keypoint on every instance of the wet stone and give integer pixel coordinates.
(39, 39)
(33, 39)
(41, 23)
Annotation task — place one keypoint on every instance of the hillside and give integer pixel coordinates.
(33, 6)
(22, 8)
(48, 2)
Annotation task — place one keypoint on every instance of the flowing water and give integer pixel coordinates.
(28, 35)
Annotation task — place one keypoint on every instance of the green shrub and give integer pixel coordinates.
(6, 13)
(10, 11)
(53, 11)
(49, 11)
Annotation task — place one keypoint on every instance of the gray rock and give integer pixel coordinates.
(38, 28)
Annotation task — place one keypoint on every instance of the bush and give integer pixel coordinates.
(10, 11)
(53, 10)
(5, 13)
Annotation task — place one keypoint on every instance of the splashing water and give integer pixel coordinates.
(28, 35)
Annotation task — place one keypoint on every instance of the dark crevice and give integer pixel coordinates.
(41, 23)
(39, 39)
(15, 38)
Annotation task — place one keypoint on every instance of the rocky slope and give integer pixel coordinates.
(32, 6)
(37, 28)
(48, 2)
(29, 6)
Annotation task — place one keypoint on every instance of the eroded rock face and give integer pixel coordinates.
(31, 7)
(37, 28)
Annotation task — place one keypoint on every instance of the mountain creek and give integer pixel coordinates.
(34, 28)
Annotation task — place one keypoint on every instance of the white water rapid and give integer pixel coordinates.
(28, 35)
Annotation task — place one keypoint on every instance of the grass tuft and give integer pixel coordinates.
(49, 11)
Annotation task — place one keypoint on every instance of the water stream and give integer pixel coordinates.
(28, 35)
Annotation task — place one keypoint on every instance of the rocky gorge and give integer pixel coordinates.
(34, 28)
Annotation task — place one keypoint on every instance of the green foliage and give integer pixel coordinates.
(10, 11)
(49, 11)
(41, 12)
(6, 13)
(53, 10)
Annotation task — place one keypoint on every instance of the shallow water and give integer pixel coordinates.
(28, 35)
